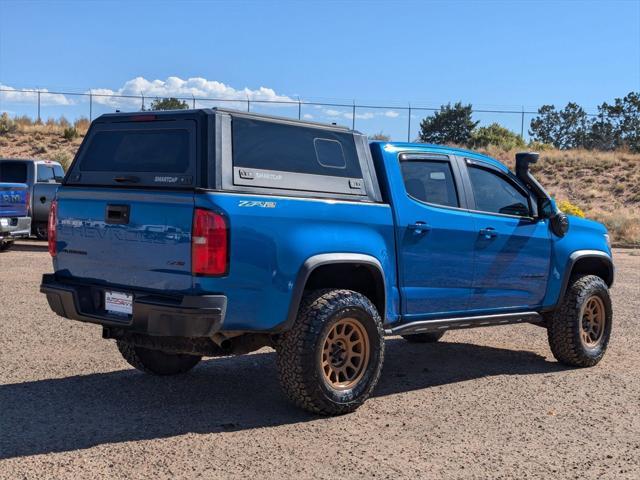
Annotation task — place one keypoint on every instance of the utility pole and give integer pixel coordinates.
(409, 127)
(353, 116)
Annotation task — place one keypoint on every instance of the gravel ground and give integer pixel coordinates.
(482, 403)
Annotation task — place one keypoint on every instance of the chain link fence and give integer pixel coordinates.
(399, 122)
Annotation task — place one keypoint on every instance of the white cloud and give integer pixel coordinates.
(197, 87)
(13, 95)
(307, 116)
(391, 114)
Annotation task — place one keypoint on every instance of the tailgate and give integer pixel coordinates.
(13, 200)
(127, 237)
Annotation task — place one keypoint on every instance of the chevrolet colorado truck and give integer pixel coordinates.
(215, 232)
(14, 218)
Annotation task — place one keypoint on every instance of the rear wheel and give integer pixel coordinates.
(580, 328)
(426, 337)
(330, 360)
(157, 362)
(40, 231)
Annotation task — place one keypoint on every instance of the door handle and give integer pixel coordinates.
(488, 232)
(418, 228)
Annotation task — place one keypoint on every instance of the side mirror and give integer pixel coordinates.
(559, 224)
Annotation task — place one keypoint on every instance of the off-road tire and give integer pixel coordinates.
(300, 352)
(426, 337)
(157, 362)
(564, 325)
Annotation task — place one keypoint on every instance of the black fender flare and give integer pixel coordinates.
(571, 262)
(319, 260)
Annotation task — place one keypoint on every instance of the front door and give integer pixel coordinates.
(435, 236)
(512, 248)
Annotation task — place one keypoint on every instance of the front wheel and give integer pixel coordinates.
(580, 328)
(330, 360)
(157, 362)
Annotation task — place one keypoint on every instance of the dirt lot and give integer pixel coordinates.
(483, 403)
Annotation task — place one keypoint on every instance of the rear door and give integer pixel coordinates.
(512, 248)
(435, 237)
(125, 211)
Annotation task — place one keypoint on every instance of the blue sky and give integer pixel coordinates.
(498, 54)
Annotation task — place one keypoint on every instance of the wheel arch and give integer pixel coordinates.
(352, 271)
(587, 262)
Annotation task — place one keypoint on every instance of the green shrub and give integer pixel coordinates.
(70, 133)
(6, 124)
(497, 135)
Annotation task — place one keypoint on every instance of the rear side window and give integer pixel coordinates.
(128, 153)
(13, 172)
(496, 194)
(430, 182)
(287, 148)
(278, 155)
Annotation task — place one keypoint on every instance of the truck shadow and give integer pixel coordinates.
(29, 246)
(225, 394)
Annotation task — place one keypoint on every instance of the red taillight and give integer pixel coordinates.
(51, 229)
(209, 243)
(27, 197)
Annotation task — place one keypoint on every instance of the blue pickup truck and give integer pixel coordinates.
(14, 213)
(215, 232)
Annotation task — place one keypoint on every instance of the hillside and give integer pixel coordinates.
(605, 185)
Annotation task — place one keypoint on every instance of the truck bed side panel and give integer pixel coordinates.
(270, 239)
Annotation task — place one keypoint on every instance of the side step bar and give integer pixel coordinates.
(464, 322)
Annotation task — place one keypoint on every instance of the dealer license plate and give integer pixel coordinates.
(118, 302)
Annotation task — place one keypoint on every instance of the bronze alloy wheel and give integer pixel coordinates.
(345, 354)
(593, 320)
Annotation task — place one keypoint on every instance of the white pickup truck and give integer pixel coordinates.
(42, 178)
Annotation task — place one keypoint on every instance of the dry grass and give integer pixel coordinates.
(605, 185)
(42, 140)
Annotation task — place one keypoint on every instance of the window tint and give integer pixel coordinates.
(45, 173)
(13, 172)
(430, 182)
(329, 153)
(158, 151)
(495, 194)
(288, 148)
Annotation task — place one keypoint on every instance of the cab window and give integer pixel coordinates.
(430, 182)
(493, 193)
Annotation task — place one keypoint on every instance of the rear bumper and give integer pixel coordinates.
(15, 227)
(176, 316)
